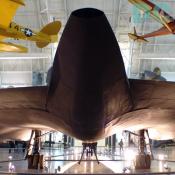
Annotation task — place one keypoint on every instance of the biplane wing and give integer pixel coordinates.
(156, 12)
(9, 47)
(8, 9)
(9, 29)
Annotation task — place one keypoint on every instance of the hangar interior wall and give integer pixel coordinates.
(19, 69)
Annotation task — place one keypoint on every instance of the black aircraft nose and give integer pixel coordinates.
(89, 85)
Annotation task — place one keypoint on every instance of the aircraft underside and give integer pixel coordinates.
(89, 96)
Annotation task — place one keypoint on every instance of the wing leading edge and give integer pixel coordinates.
(20, 2)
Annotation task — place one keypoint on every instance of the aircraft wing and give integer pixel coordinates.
(153, 109)
(153, 94)
(9, 47)
(157, 13)
(7, 11)
(23, 109)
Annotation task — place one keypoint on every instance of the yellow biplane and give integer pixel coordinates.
(9, 29)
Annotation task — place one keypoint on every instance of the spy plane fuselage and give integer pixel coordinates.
(89, 96)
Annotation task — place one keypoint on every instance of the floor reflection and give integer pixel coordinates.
(66, 161)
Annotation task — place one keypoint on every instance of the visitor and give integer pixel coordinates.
(121, 145)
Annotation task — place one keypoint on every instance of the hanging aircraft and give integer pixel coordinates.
(159, 15)
(9, 29)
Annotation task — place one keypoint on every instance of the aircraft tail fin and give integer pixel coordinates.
(52, 30)
(136, 37)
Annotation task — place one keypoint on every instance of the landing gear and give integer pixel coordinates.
(143, 160)
(35, 160)
(89, 148)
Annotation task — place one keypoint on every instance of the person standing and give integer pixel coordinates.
(12, 146)
(121, 145)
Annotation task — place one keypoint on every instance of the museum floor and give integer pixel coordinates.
(164, 162)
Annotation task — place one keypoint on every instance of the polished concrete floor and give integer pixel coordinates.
(67, 161)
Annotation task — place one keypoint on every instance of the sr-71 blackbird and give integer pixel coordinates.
(89, 96)
(9, 29)
(159, 15)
